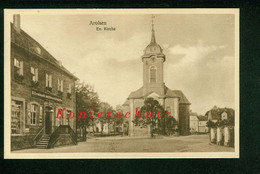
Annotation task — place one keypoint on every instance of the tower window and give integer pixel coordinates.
(152, 74)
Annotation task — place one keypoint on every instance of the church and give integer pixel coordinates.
(174, 101)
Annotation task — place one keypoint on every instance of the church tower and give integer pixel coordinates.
(174, 101)
(153, 60)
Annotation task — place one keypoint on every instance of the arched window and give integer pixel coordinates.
(152, 74)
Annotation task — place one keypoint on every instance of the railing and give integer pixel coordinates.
(73, 135)
(62, 129)
(38, 136)
(54, 138)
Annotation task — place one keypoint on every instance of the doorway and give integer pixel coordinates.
(48, 122)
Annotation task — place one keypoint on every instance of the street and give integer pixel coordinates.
(192, 143)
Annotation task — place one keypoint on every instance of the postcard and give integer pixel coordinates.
(121, 83)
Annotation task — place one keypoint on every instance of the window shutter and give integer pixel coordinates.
(16, 63)
(58, 84)
(69, 88)
(50, 78)
(61, 85)
(21, 68)
(32, 70)
(36, 74)
(46, 79)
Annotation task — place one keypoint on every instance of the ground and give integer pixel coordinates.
(192, 143)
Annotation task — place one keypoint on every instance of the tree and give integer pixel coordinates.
(87, 102)
(149, 116)
(105, 108)
(118, 120)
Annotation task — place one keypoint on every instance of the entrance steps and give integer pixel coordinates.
(43, 142)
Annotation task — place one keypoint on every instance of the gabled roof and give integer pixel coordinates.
(136, 94)
(25, 41)
(183, 99)
(126, 103)
(215, 113)
(202, 118)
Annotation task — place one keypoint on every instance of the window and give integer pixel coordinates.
(33, 114)
(16, 118)
(69, 88)
(48, 80)
(18, 67)
(60, 85)
(38, 50)
(152, 74)
(34, 72)
(58, 120)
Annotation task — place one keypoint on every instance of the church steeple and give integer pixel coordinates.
(153, 36)
(153, 60)
(153, 47)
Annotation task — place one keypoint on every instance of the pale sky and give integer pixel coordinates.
(199, 53)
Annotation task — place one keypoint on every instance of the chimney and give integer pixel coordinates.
(16, 21)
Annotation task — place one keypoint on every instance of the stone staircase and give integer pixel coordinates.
(43, 142)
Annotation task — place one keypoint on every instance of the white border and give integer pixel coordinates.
(7, 92)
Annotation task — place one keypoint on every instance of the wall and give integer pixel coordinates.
(184, 119)
(194, 124)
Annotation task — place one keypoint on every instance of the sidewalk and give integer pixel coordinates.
(192, 143)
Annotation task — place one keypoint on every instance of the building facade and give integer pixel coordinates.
(173, 101)
(40, 85)
(198, 124)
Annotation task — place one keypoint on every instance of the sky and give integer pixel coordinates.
(199, 51)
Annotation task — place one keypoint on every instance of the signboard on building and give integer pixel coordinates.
(45, 96)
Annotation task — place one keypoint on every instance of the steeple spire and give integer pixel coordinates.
(153, 36)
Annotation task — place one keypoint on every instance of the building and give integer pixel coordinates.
(217, 114)
(198, 124)
(173, 101)
(40, 85)
(221, 122)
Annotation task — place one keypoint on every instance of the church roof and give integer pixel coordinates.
(168, 94)
(136, 94)
(183, 99)
(126, 103)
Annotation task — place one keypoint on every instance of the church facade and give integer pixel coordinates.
(174, 101)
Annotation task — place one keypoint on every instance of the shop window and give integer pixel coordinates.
(16, 117)
(33, 114)
(58, 120)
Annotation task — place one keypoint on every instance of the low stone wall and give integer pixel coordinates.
(64, 140)
(222, 136)
(22, 142)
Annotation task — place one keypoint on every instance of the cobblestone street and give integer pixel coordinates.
(192, 143)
